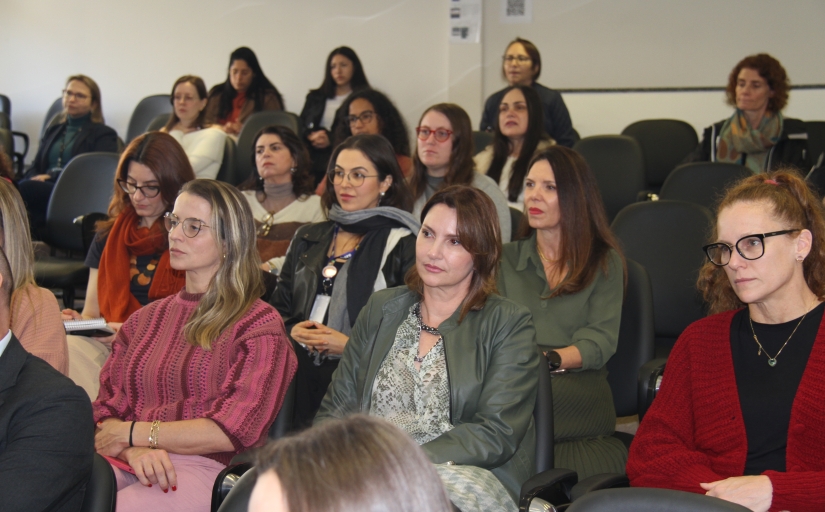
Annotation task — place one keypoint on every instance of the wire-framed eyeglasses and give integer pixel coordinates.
(750, 247)
(191, 227)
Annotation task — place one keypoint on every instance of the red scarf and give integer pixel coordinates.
(127, 239)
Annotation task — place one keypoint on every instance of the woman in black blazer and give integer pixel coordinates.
(80, 130)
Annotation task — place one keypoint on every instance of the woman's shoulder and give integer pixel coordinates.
(483, 159)
(709, 327)
(512, 251)
(486, 184)
(314, 231)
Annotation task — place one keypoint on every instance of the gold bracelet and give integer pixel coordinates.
(153, 434)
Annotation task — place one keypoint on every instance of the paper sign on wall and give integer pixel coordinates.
(516, 11)
(465, 21)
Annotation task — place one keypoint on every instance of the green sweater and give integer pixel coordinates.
(584, 416)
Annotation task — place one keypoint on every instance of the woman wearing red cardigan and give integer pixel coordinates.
(741, 411)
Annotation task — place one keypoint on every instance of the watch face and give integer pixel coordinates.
(553, 359)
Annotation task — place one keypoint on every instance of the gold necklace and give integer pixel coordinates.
(541, 254)
(772, 360)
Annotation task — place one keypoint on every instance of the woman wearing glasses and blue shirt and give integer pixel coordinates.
(129, 258)
(521, 65)
(740, 412)
(333, 267)
(444, 157)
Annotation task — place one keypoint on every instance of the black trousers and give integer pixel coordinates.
(311, 383)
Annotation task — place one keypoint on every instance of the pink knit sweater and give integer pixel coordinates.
(153, 373)
(694, 431)
(36, 321)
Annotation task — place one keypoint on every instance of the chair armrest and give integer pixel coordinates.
(649, 380)
(597, 482)
(553, 486)
(226, 481)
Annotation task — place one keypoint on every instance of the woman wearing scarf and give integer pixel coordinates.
(332, 267)
(129, 258)
(757, 135)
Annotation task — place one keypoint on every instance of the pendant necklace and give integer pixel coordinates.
(330, 270)
(772, 360)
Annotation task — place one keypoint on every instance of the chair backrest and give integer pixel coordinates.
(253, 124)
(666, 238)
(238, 499)
(665, 143)
(703, 183)
(51, 114)
(481, 140)
(816, 180)
(283, 421)
(650, 500)
(101, 491)
(228, 172)
(7, 143)
(636, 340)
(543, 418)
(158, 122)
(84, 186)
(5, 122)
(5, 105)
(145, 112)
(617, 163)
(816, 139)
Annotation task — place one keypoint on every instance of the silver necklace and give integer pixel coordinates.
(772, 360)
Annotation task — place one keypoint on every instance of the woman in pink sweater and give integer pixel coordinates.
(35, 315)
(199, 376)
(741, 411)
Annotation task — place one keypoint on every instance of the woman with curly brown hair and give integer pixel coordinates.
(757, 135)
(740, 412)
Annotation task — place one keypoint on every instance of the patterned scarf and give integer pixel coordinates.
(741, 144)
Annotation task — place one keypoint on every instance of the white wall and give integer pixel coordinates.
(139, 47)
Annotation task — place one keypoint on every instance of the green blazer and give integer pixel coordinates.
(492, 366)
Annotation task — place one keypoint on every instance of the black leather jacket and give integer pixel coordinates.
(307, 255)
(93, 137)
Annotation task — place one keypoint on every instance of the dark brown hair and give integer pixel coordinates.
(791, 202)
(502, 147)
(379, 151)
(532, 51)
(257, 90)
(364, 464)
(303, 184)
(480, 235)
(359, 78)
(462, 168)
(586, 238)
(390, 121)
(772, 71)
(197, 82)
(164, 156)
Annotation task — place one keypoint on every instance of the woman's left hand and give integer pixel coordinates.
(108, 340)
(321, 338)
(112, 436)
(753, 492)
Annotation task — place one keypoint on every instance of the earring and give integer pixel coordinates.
(293, 169)
(799, 257)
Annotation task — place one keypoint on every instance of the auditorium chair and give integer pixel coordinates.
(145, 112)
(703, 183)
(816, 180)
(650, 500)
(481, 140)
(244, 159)
(618, 165)
(101, 491)
(85, 186)
(665, 143)
(816, 141)
(666, 238)
(51, 116)
(228, 172)
(158, 122)
(5, 105)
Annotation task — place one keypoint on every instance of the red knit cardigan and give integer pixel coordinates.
(694, 431)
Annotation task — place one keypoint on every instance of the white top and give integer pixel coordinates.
(333, 104)
(7, 338)
(305, 210)
(204, 148)
(485, 158)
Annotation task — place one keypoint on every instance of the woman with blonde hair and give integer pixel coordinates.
(223, 353)
(35, 315)
(366, 463)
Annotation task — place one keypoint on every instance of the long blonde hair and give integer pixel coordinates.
(16, 240)
(238, 283)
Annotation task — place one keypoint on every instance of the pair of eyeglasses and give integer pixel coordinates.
(365, 117)
(191, 227)
(441, 134)
(148, 191)
(750, 247)
(77, 95)
(511, 59)
(356, 178)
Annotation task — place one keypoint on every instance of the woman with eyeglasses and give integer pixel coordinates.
(518, 135)
(567, 268)
(740, 414)
(521, 65)
(246, 91)
(79, 129)
(199, 376)
(444, 157)
(322, 113)
(332, 267)
(129, 258)
(281, 194)
(204, 144)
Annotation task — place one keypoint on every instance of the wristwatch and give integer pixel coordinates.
(553, 359)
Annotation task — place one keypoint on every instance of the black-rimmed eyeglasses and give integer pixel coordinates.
(191, 227)
(148, 191)
(750, 247)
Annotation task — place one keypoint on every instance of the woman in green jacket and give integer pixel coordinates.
(570, 272)
(447, 360)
